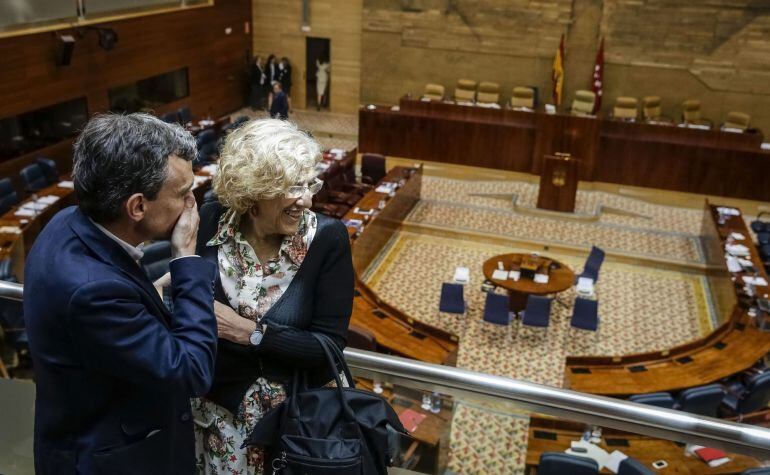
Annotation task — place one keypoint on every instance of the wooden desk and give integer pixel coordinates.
(395, 332)
(560, 277)
(17, 246)
(552, 435)
(648, 155)
(733, 347)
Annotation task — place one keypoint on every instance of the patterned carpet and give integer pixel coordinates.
(409, 276)
(648, 229)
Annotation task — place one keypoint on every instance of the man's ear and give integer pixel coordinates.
(136, 207)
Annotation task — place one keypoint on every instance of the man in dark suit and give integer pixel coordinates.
(115, 369)
(279, 109)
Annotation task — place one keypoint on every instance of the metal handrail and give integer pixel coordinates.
(571, 405)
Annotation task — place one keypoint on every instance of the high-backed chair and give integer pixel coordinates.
(208, 153)
(626, 108)
(322, 204)
(691, 113)
(8, 195)
(49, 170)
(664, 400)
(559, 463)
(537, 312)
(751, 397)
(184, 115)
(204, 137)
(585, 315)
(523, 97)
(652, 110)
(170, 117)
(465, 91)
(489, 93)
(496, 309)
(155, 260)
(372, 168)
(593, 264)
(434, 92)
(33, 178)
(737, 120)
(703, 400)
(452, 299)
(583, 104)
(361, 338)
(631, 466)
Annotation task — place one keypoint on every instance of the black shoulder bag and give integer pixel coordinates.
(325, 430)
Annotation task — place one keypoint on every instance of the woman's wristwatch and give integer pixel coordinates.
(256, 336)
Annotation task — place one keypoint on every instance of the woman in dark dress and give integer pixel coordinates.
(284, 272)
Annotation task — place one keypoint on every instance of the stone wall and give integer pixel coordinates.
(717, 50)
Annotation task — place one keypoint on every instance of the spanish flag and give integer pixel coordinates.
(558, 73)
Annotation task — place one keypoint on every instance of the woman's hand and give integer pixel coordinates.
(231, 326)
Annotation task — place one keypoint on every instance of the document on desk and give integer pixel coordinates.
(737, 249)
(34, 206)
(26, 213)
(211, 169)
(10, 230)
(500, 274)
(48, 199)
(541, 278)
(728, 211)
(386, 187)
(737, 236)
(66, 184)
(732, 264)
(612, 463)
(514, 275)
(754, 280)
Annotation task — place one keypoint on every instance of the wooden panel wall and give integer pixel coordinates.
(147, 46)
(277, 30)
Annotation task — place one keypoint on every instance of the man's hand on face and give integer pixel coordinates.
(186, 230)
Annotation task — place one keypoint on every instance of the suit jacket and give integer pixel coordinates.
(279, 109)
(114, 369)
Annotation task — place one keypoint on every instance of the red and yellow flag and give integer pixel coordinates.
(558, 73)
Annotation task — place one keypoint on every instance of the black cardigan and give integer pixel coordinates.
(319, 299)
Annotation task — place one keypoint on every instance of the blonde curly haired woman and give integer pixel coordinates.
(284, 272)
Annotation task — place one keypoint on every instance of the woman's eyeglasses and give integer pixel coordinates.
(297, 191)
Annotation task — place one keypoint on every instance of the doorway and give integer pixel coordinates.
(318, 51)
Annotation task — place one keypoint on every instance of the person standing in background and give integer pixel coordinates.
(258, 80)
(271, 71)
(284, 77)
(279, 109)
(321, 81)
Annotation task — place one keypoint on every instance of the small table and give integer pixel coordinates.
(560, 277)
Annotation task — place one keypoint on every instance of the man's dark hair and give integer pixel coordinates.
(118, 155)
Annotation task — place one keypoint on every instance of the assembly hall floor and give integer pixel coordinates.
(652, 291)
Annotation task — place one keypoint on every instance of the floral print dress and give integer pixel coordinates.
(251, 288)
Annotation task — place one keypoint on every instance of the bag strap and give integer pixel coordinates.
(330, 360)
(339, 360)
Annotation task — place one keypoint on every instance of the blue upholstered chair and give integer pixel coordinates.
(538, 311)
(49, 170)
(170, 117)
(585, 315)
(593, 264)
(654, 399)
(156, 257)
(452, 300)
(372, 168)
(496, 309)
(751, 397)
(204, 137)
(183, 114)
(207, 153)
(702, 400)
(756, 471)
(33, 178)
(8, 196)
(631, 466)
(558, 463)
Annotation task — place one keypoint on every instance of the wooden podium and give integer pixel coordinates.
(558, 183)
